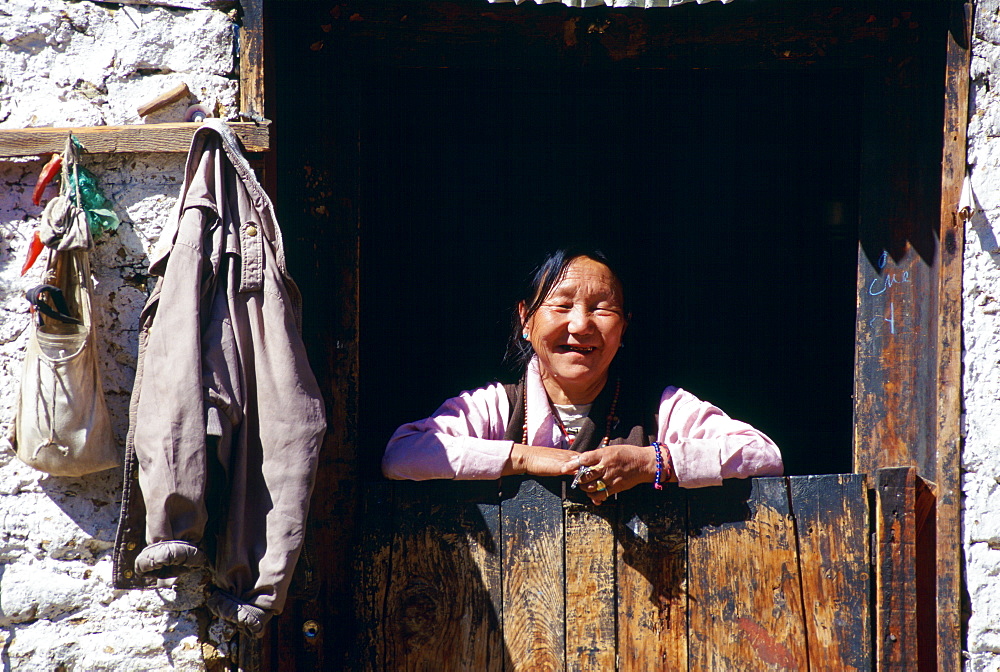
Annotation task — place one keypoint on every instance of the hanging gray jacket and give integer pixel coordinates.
(226, 417)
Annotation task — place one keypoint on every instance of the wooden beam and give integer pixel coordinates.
(949, 342)
(181, 4)
(895, 570)
(713, 35)
(166, 138)
(831, 518)
(652, 577)
(590, 588)
(534, 616)
(373, 573)
(432, 593)
(896, 369)
(252, 59)
(744, 584)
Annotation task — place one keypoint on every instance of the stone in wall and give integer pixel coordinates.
(84, 63)
(88, 64)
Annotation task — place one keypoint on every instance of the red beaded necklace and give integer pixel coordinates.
(570, 439)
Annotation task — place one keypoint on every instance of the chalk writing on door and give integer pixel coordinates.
(880, 286)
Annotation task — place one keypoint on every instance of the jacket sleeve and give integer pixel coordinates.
(707, 446)
(170, 412)
(463, 440)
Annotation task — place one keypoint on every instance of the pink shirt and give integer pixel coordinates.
(464, 439)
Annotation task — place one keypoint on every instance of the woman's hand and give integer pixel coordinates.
(619, 468)
(540, 461)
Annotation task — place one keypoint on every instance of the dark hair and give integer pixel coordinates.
(540, 282)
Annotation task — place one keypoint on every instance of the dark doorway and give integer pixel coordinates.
(429, 152)
(729, 197)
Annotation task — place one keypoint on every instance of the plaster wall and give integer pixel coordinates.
(86, 64)
(981, 325)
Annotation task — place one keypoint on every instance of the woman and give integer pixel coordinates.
(570, 414)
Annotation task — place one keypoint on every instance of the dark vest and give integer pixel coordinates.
(630, 424)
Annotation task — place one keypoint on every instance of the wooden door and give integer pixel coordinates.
(905, 388)
(767, 574)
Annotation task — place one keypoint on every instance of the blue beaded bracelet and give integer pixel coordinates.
(659, 466)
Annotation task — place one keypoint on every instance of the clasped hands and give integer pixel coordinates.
(598, 473)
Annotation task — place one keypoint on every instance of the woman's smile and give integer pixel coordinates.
(576, 331)
(578, 349)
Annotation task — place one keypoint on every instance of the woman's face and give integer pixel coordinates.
(577, 330)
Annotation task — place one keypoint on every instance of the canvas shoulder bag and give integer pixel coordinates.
(62, 425)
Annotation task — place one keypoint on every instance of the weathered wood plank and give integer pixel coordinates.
(745, 601)
(252, 58)
(896, 368)
(470, 35)
(166, 98)
(438, 612)
(894, 377)
(949, 343)
(534, 616)
(373, 569)
(167, 138)
(895, 570)
(831, 517)
(316, 205)
(590, 587)
(652, 581)
(487, 651)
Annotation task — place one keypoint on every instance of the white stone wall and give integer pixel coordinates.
(84, 64)
(981, 324)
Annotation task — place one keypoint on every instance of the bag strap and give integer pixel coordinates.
(61, 312)
(78, 271)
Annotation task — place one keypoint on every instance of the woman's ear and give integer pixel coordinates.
(521, 311)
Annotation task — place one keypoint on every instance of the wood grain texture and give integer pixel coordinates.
(590, 587)
(896, 369)
(652, 581)
(949, 345)
(167, 138)
(831, 517)
(438, 612)
(317, 206)
(164, 99)
(745, 600)
(486, 650)
(533, 578)
(895, 570)
(769, 574)
(252, 58)
(373, 569)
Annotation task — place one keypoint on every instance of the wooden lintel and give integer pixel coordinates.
(182, 4)
(166, 138)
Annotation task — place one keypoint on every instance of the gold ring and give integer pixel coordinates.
(599, 484)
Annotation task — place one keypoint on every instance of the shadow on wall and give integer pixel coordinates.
(983, 228)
